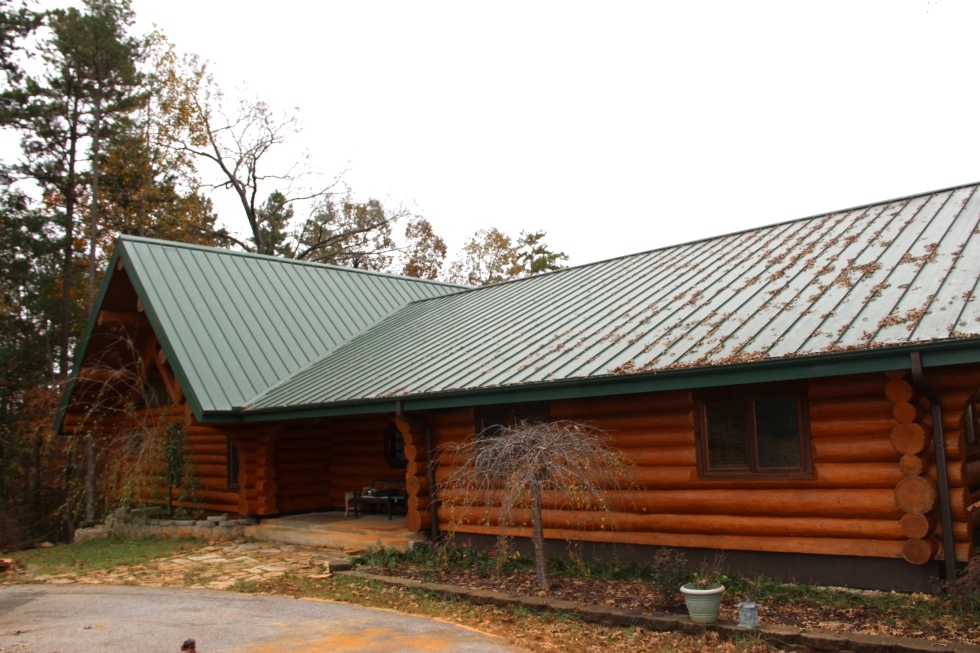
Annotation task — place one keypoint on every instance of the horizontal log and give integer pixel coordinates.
(899, 391)
(303, 504)
(266, 487)
(417, 503)
(304, 467)
(317, 477)
(216, 471)
(826, 476)
(954, 402)
(915, 494)
(961, 531)
(906, 412)
(417, 485)
(662, 456)
(851, 428)
(645, 423)
(858, 475)
(418, 520)
(847, 387)
(288, 492)
(705, 524)
(416, 467)
(915, 526)
(207, 438)
(909, 438)
(913, 465)
(862, 409)
(196, 430)
(920, 551)
(209, 449)
(412, 452)
(363, 469)
(959, 376)
(266, 507)
(284, 453)
(220, 484)
(589, 409)
(853, 449)
(447, 417)
(814, 545)
(870, 504)
(229, 497)
(658, 438)
(208, 459)
(971, 475)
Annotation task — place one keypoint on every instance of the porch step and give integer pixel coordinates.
(349, 535)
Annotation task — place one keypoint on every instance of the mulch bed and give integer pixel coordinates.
(642, 597)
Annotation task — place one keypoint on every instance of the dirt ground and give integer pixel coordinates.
(283, 569)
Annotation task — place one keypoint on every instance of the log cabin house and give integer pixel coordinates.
(802, 396)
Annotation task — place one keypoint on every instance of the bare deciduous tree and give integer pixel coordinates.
(238, 142)
(510, 471)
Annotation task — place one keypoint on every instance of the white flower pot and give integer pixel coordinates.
(703, 603)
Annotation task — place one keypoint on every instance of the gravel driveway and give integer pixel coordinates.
(102, 618)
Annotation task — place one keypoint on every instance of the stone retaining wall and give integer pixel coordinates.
(212, 529)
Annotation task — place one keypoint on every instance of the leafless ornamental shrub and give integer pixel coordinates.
(515, 473)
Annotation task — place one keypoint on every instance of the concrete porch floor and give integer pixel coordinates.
(332, 529)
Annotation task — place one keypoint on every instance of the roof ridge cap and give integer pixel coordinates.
(713, 238)
(278, 259)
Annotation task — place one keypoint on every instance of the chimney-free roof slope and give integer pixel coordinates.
(233, 324)
(894, 274)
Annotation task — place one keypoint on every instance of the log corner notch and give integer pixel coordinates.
(415, 482)
(257, 472)
(916, 493)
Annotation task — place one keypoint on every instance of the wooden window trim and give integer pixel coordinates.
(750, 394)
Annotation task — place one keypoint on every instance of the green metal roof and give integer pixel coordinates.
(870, 281)
(233, 324)
(259, 338)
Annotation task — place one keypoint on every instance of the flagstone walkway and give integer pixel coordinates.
(218, 566)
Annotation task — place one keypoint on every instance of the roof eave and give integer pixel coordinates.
(934, 354)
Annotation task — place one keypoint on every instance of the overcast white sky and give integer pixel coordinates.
(617, 127)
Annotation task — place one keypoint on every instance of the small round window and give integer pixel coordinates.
(394, 445)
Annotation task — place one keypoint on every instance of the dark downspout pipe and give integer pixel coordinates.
(942, 475)
(433, 500)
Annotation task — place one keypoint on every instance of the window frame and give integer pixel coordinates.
(394, 455)
(750, 395)
(234, 463)
(970, 427)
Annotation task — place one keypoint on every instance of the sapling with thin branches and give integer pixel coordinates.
(515, 473)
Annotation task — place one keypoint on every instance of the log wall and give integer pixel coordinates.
(873, 491)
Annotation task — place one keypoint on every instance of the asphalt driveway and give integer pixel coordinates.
(103, 618)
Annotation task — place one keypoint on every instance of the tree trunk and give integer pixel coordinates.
(93, 239)
(540, 560)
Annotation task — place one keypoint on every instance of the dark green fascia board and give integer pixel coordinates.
(937, 354)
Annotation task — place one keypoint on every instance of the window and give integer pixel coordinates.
(394, 446)
(970, 425)
(753, 430)
(233, 465)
